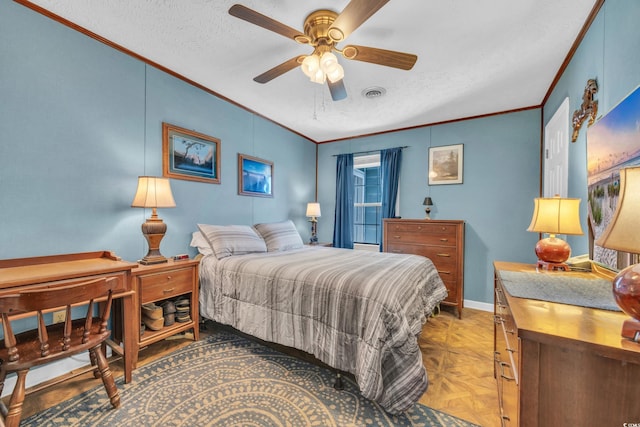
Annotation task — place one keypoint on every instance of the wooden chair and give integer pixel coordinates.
(49, 343)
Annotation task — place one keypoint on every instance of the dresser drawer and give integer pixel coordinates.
(452, 289)
(444, 258)
(429, 234)
(158, 286)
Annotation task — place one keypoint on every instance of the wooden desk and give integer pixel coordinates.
(562, 365)
(58, 270)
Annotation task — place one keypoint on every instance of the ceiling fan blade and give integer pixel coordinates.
(353, 15)
(337, 89)
(389, 58)
(249, 15)
(278, 70)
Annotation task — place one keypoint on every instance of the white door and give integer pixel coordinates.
(556, 153)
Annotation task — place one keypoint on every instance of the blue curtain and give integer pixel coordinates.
(343, 226)
(390, 161)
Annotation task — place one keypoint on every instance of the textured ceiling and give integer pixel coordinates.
(474, 57)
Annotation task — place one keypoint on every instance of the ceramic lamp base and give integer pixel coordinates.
(553, 250)
(626, 291)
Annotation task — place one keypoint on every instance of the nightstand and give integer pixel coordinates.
(160, 282)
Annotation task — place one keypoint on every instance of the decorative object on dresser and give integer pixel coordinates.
(166, 300)
(442, 241)
(153, 193)
(559, 364)
(555, 215)
(428, 203)
(313, 212)
(623, 234)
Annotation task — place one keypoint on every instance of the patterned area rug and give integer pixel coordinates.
(227, 380)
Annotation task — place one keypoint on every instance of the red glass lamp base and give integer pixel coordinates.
(552, 253)
(626, 290)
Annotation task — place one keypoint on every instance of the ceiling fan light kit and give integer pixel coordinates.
(323, 30)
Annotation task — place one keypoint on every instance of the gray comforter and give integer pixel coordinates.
(356, 311)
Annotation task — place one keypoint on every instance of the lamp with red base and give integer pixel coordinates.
(623, 234)
(555, 215)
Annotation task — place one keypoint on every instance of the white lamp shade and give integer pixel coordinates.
(623, 232)
(555, 215)
(313, 209)
(153, 192)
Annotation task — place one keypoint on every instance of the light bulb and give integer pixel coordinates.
(336, 74)
(310, 66)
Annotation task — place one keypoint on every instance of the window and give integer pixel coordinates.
(368, 199)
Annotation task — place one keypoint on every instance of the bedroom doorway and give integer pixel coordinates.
(556, 153)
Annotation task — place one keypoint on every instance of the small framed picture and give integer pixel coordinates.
(445, 164)
(190, 155)
(255, 176)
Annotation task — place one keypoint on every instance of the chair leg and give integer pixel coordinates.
(14, 413)
(106, 375)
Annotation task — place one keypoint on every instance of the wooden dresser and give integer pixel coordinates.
(562, 365)
(442, 241)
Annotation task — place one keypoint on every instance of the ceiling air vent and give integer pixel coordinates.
(374, 92)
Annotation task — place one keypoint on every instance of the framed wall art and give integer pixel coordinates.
(446, 164)
(255, 176)
(190, 155)
(613, 143)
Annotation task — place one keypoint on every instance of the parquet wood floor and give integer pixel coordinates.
(458, 356)
(457, 353)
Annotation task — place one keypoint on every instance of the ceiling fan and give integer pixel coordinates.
(323, 30)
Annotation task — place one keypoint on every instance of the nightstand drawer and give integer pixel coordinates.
(164, 285)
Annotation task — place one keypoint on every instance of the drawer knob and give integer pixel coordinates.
(169, 277)
(444, 272)
(396, 237)
(444, 255)
(444, 240)
(168, 291)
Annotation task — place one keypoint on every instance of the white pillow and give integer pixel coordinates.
(199, 241)
(280, 236)
(227, 240)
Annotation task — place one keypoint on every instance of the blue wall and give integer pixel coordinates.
(609, 53)
(80, 121)
(501, 179)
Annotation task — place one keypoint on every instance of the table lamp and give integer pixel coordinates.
(623, 234)
(313, 212)
(428, 203)
(555, 215)
(153, 193)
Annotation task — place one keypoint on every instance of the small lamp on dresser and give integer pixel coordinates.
(313, 212)
(623, 234)
(555, 215)
(153, 193)
(428, 203)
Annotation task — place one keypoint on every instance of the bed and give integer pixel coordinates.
(358, 312)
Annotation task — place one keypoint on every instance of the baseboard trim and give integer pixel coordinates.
(484, 306)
